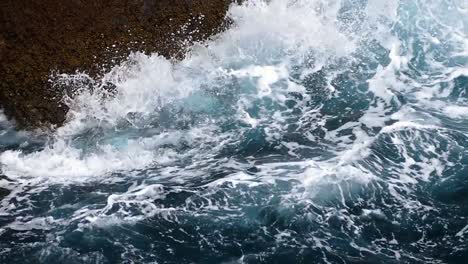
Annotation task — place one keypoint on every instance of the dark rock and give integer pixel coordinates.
(38, 38)
(3, 193)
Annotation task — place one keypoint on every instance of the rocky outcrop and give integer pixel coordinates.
(40, 37)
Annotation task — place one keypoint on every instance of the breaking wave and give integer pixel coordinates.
(310, 131)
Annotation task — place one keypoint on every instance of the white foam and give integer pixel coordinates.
(455, 111)
(267, 40)
(62, 162)
(146, 84)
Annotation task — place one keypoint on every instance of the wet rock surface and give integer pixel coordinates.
(38, 38)
(3, 193)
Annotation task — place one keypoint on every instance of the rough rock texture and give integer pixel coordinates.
(40, 37)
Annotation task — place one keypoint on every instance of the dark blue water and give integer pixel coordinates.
(309, 132)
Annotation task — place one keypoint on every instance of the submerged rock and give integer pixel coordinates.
(3, 193)
(38, 38)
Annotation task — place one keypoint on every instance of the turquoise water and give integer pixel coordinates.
(309, 132)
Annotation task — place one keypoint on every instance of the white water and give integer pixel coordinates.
(244, 77)
(282, 32)
(260, 50)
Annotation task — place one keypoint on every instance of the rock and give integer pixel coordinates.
(38, 38)
(3, 193)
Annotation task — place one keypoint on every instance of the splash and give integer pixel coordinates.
(325, 131)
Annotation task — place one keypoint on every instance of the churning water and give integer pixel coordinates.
(311, 131)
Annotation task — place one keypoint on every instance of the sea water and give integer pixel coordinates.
(310, 131)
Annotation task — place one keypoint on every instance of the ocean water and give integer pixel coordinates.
(310, 131)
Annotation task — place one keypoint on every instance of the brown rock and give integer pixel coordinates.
(39, 37)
